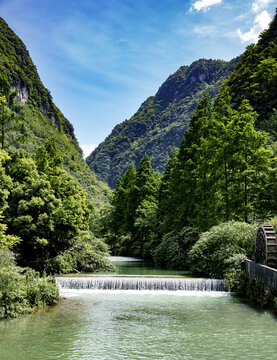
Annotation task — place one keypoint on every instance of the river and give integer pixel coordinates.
(116, 325)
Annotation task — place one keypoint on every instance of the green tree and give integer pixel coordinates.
(48, 157)
(6, 241)
(189, 192)
(48, 211)
(32, 211)
(264, 86)
(222, 147)
(5, 181)
(134, 206)
(172, 252)
(142, 196)
(146, 180)
(120, 202)
(251, 163)
(211, 254)
(165, 203)
(202, 155)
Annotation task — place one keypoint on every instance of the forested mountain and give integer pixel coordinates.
(161, 120)
(255, 77)
(42, 119)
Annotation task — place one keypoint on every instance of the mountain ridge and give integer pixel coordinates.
(160, 121)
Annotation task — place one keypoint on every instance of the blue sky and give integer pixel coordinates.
(101, 59)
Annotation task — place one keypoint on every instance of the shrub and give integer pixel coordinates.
(234, 273)
(6, 257)
(211, 255)
(173, 250)
(89, 254)
(92, 255)
(22, 291)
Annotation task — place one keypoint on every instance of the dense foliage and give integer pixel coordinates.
(44, 225)
(160, 122)
(50, 212)
(255, 77)
(22, 290)
(132, 218)
(213, 253)
(221, 170)
(173, 250)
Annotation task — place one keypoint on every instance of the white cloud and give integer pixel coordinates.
(204, 4)
(261, 22)
(259, 5)
(205, 30)
(88, 148)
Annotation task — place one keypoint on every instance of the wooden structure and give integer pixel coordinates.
(266, 246)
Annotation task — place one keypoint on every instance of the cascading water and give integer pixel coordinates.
(139, 283)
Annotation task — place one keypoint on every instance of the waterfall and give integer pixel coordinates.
(140, 283)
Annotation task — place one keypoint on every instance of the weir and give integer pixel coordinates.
(139, 283)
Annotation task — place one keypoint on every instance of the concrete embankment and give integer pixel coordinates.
(260, 285)
(265, 274)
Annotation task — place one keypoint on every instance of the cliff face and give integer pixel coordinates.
(41, 116)
(160, 122)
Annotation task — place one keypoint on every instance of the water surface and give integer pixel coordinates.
(120, 325)
(143, 268)
(128, 266)
(139, 325)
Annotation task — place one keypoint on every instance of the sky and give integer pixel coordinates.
(101, 59)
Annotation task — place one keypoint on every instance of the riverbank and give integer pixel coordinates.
(23, 290)
(258, 293)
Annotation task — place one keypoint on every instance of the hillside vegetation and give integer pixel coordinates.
(255, 78)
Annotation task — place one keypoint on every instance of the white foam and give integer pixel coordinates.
(68, 293)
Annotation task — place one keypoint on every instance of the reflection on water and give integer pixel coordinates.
(132, 267)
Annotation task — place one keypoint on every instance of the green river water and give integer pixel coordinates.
(116, 325)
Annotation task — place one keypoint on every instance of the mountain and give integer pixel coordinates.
(255, 77)
(160, 122)
(41, 116)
